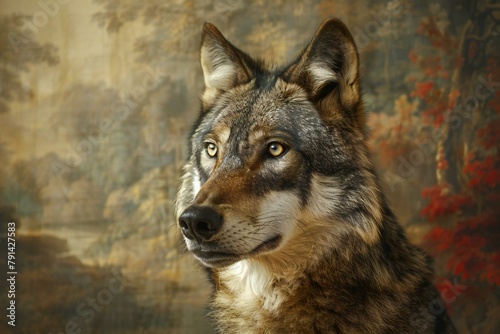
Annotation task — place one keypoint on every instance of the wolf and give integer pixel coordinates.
(281, 203)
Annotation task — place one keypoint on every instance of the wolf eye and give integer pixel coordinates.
(276, 149)
(211, 149)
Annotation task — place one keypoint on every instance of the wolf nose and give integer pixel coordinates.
(200, 222)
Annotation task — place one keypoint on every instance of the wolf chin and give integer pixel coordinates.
(280, 201)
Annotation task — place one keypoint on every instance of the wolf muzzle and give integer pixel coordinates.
(200, 223)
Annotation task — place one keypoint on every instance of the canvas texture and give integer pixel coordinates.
(97, 100)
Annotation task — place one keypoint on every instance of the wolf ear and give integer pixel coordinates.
(328, 69)
(224, 66)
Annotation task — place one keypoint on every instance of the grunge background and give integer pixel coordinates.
(96, 100)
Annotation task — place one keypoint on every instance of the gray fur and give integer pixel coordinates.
(306, 242)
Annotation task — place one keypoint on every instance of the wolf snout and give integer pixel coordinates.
(200, 223)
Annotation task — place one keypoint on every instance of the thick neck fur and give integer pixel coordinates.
(332, 284)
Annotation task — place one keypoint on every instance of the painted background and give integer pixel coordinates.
(96, 99)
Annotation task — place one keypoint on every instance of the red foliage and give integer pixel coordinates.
(422, 89)
(431, 66)
(442, 164)
(429, 28)
(439, 239)
(483, 172)
(441, 203)
(471, 244)
(438, 102)
(435, 114)
(426, 27)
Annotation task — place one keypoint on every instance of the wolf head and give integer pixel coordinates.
(278, 164)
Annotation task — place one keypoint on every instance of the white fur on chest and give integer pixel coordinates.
(252, 287)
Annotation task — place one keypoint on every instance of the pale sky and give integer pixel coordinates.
(87, 53)
(83, 45)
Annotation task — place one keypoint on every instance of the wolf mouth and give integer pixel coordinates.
(221, 259)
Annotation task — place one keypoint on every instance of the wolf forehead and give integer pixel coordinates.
(265, 107)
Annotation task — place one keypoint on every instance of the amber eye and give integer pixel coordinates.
(211, 149)
(276, 149)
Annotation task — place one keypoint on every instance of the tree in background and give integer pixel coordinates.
(18, 51)
(453, 125)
